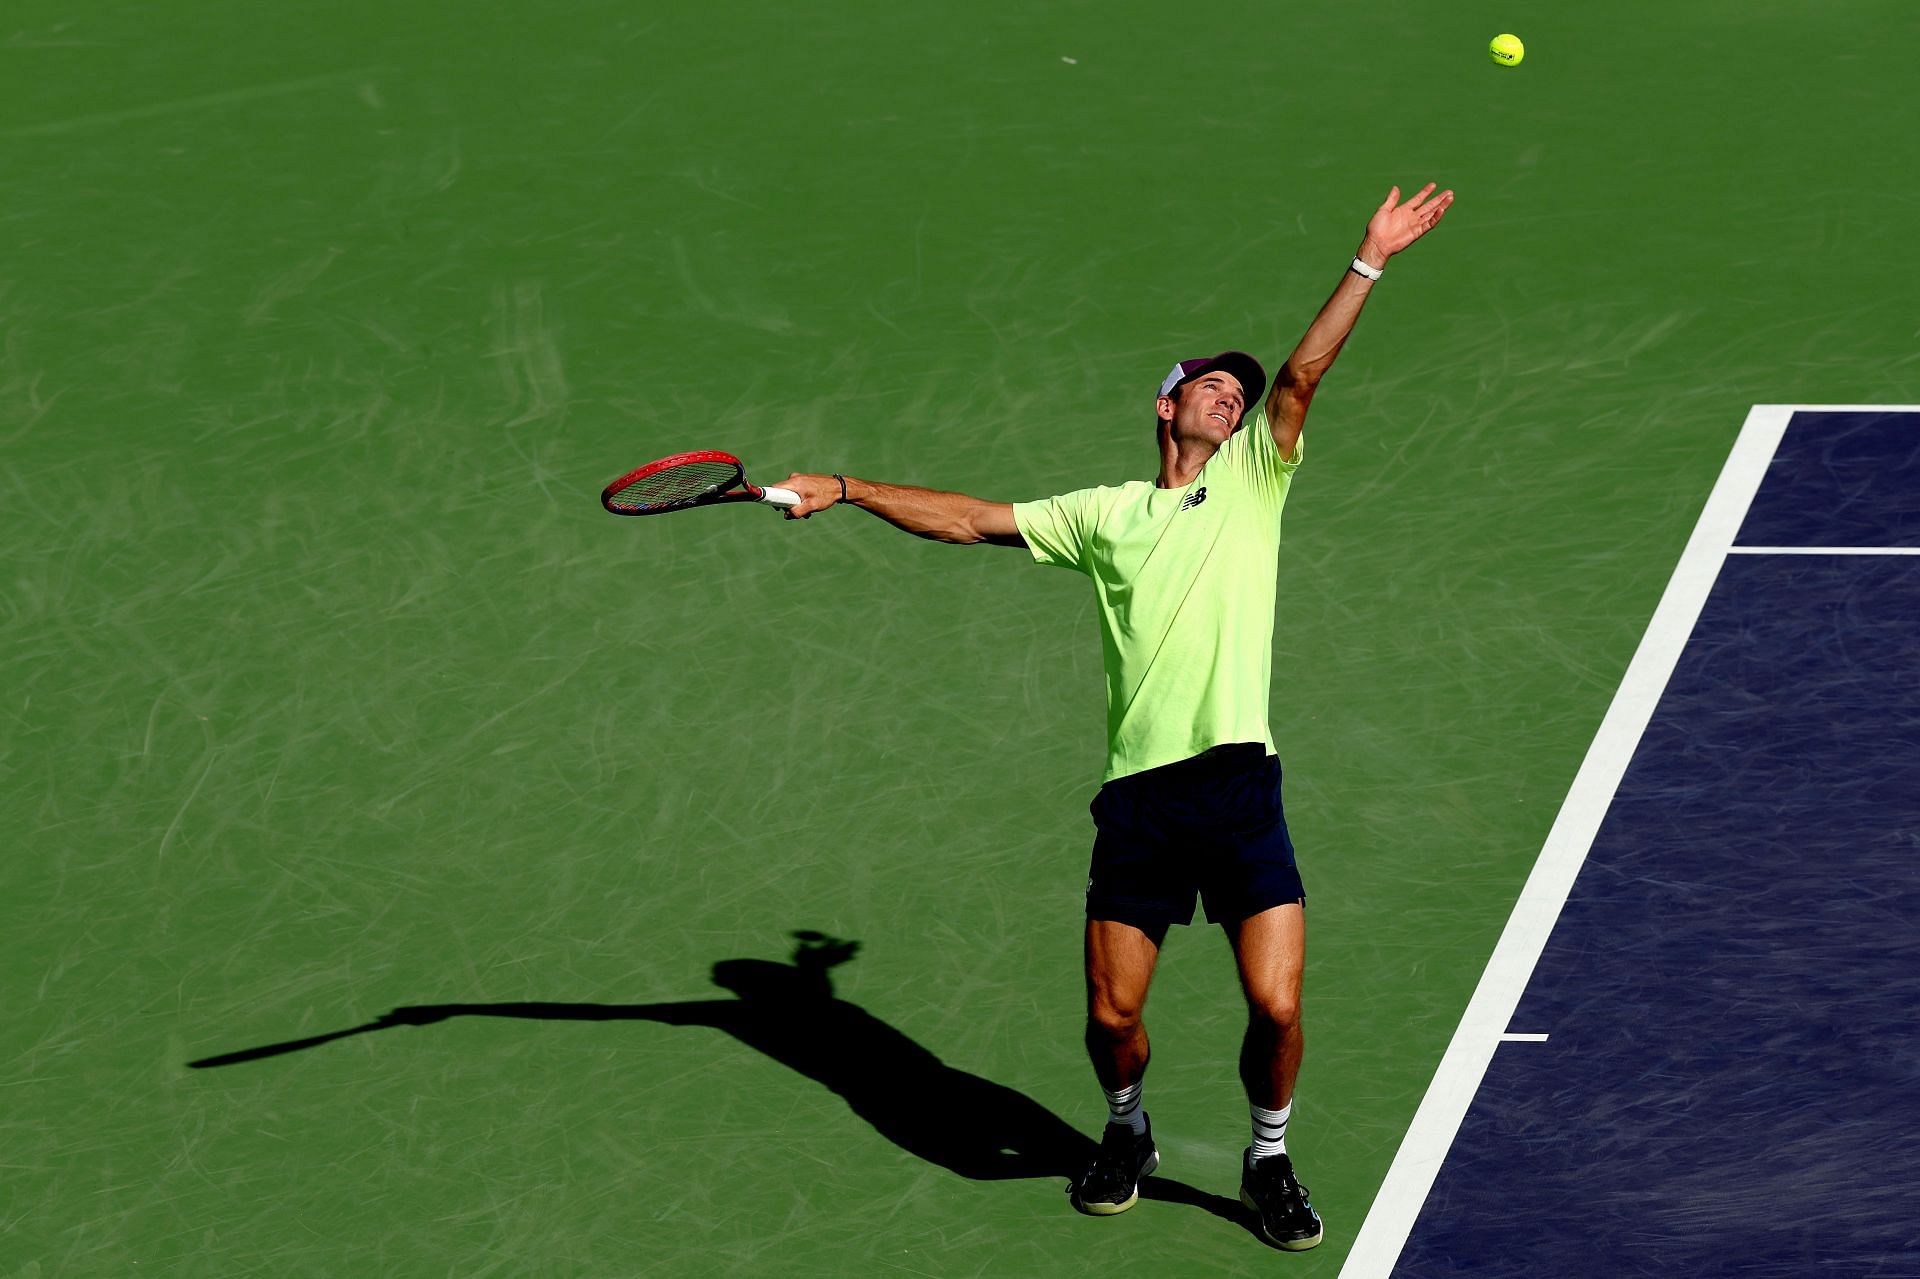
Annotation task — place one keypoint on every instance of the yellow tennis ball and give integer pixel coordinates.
(1507, 50)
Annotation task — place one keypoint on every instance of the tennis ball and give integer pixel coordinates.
(1507, 50)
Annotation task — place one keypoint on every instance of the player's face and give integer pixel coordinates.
(1209, 408)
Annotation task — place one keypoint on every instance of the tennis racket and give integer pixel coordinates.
(687, 480)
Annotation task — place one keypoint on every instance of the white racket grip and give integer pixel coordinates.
(779, 497)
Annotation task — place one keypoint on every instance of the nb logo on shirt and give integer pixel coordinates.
(1194, 498)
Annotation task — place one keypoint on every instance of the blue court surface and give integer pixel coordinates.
(1713, 1067)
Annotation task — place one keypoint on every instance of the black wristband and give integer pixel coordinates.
(843, 485)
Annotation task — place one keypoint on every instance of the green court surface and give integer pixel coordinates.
(329, 689)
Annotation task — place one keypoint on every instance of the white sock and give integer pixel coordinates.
(1123, 1107)
(1270, 1131)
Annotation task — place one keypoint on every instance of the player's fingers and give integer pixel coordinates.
(1393, 198)
(1420, 195)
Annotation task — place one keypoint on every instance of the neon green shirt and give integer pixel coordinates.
(1185, 581)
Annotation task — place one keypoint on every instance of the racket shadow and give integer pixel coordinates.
(971, 1126)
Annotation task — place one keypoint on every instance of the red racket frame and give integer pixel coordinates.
(748, 492)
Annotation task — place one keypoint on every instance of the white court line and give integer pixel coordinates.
(1512, 1038)
(1482, 1027)
(1823, 550)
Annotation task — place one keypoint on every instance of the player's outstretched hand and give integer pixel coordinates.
(1394, 225)
(817, 493)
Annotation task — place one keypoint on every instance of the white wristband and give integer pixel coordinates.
(1371, 272)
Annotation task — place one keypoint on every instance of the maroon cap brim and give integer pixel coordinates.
(1246, 369)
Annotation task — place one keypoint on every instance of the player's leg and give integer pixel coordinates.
(1137, 887)
(1253, 890)
(1270, 949)
(1120, 958)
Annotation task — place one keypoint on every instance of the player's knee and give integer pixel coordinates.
(1113, 1018)
(1279, 1011)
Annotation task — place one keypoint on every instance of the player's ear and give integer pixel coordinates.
(1163, 408)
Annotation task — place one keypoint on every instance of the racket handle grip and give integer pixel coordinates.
(779, 497)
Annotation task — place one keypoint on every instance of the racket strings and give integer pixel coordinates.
(676, 484)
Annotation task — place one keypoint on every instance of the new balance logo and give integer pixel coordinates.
(1194, 498)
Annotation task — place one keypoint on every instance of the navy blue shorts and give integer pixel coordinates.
(1211, 826)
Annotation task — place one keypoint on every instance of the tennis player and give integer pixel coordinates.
(1184, 571)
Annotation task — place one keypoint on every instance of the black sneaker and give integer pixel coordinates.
(1112, 1182)
(1287, 1218)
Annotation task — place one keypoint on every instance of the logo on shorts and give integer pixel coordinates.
(1194, 498)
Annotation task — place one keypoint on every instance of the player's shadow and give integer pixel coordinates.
(963, 1123)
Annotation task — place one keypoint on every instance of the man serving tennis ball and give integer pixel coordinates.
(1184, 573)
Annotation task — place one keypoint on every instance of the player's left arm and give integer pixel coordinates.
(1392, 227)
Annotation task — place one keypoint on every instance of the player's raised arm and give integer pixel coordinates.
(929, 513)
(1393, 227)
